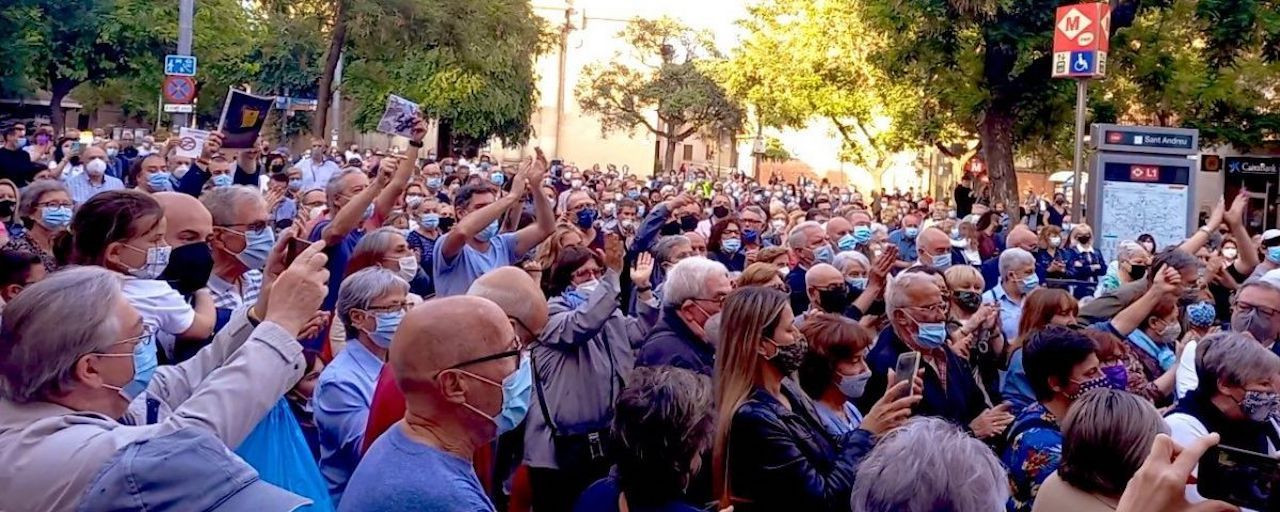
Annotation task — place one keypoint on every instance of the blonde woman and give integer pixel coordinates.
(762, 274)
(565, 235)
(771, 450)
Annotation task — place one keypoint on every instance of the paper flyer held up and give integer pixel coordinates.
(399, 117)
(190, 142)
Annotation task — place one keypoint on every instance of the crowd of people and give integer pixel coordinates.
(354, 331)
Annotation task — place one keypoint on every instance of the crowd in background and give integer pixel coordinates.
(395, 331)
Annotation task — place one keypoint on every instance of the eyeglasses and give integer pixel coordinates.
(939, 308)
(148, 334)
(588, 273)
(252, 226)
(402, 306)
(54, 204)
(1263, 310)
(492, 357)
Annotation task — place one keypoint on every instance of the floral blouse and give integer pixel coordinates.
(1034, 452)
(24, 243)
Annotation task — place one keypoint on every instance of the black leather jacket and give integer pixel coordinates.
(784, 460)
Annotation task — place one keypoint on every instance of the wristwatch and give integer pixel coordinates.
(415, 143)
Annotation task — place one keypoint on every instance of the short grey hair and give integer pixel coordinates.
(896, 295)
(1106, 436)
(29, 201)
(1231, 357)
(378, 242)
(662, 251)
(797, 238)
(688, 280)
(951, 470)
(334, 186)
(843, 260)
(40, 342)
(359, 290)
(756, 210)
(1129, 249)
(224, 202)
(1014, 257)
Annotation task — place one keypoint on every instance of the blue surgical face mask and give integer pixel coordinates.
(1029, 283)
(160, 182)
(295, 185)
(385, 327)
(498, 178)
(144, 367)
(222, 180)
(55, 217)
(488, 232)
(22, 142)
(368, 212)
(942, 261)
(731, 245)
(431, 220)
(852, 386)
(847, 242)
(823, 254)
(434, 183)
(861, 234)
(930, 335)
(517, 389)
(857, 283)
(257, 246)
(1273, 254)
(911, 232)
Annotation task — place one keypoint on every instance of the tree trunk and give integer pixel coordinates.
(57, 116)
(337, 39)
(669, 155)
(444, 139)
(996, 133)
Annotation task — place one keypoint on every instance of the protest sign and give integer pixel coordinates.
(190, 142)
(242, 118)
(399, 117)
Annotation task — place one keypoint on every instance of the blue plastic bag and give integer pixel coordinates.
(277, 450)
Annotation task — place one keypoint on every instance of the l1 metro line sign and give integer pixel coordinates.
(1081, 39)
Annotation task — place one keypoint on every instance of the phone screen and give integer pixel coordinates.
(908, 363)
(1240, 477)
(296, 246)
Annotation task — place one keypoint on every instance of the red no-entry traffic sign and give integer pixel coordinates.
(178, 89)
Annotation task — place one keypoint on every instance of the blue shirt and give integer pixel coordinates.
(835, 425)
(906, 245)
(342, 398)
(1010, 311)
(81, 190)
(455, 277)
(602, 496)
(338, 257)
(401, 474)
(1015, 387)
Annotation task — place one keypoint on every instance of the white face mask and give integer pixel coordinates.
(408, 267)
(1229, 253)
(95, 167)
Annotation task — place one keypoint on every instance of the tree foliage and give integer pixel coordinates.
(469, 63)
(668, 74)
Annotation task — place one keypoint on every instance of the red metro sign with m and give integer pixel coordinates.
(1081, 35)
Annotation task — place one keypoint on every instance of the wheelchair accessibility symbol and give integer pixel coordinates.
(1082, 62)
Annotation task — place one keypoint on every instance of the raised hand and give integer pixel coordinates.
(613, 252)
(890, 412)
(879, 276)
(419, 130)
(1161, 482)
(1235, 215)
(643, 269)
(212, 145)
(1168, 281)
(297, 293)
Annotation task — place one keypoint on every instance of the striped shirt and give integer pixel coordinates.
(81, 190)
(235, 295)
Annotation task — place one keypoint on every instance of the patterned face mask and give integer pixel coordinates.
(1201, 314)
(1098, 382)
(1259, 405)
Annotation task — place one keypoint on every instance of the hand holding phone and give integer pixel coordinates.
(1240, 477)
(296, 246)
(908, 364)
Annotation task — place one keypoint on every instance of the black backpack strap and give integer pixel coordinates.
(542, 398)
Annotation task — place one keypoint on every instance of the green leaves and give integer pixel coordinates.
(667, 73)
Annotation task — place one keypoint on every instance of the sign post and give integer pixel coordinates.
(1081, 39)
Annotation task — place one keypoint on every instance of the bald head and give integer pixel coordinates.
(518, 297)
(424, 344)
(838, 227)
(1022, 237)
(930, 243)
(822, 275)
(188, 221)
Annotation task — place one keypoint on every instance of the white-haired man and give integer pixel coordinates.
(809, 245)
(693, 292)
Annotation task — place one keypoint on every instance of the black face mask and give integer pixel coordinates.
(189, 268)
(670, 229)
(446, 223)
(1085, 239)
(688, 223)
(834, 300)
(7, 207)
(968, 301)
(1137, 271)
(720, 212)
